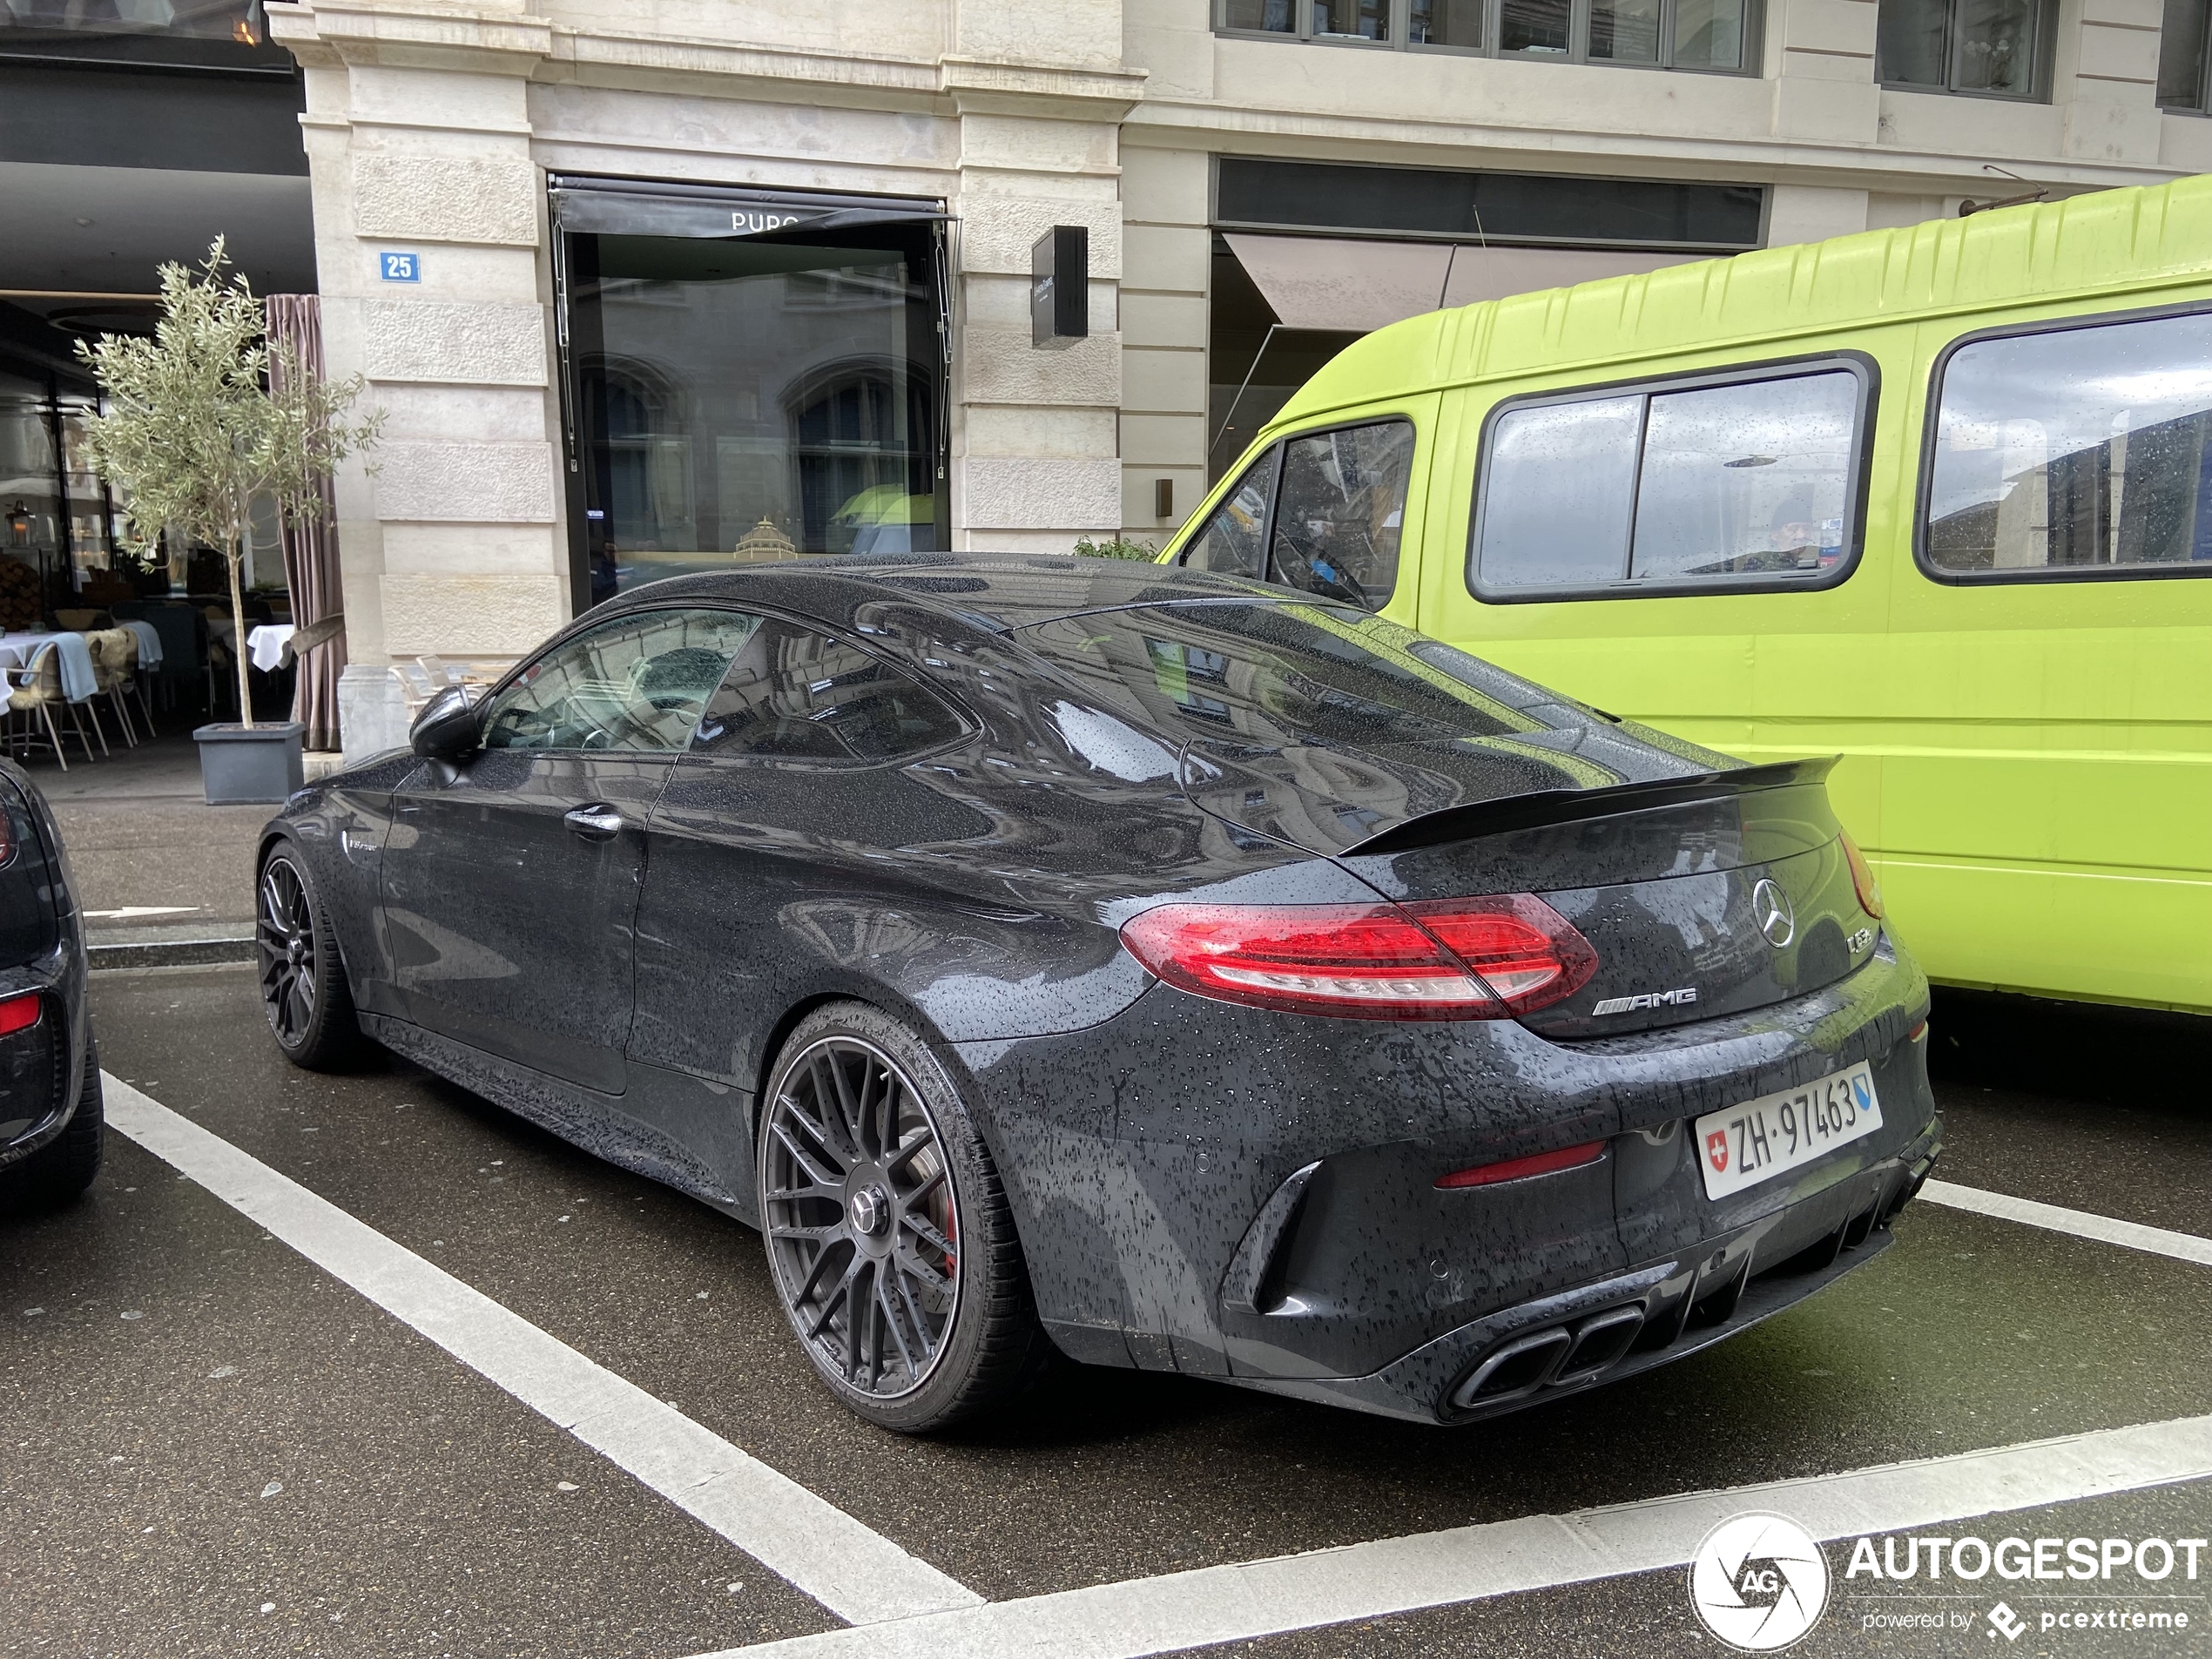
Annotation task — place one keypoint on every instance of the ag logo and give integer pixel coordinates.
(1716, 1150)
(1758, 1582)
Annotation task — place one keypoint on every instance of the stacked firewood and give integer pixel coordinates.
(21, 603)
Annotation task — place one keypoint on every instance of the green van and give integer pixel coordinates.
(1937, 500)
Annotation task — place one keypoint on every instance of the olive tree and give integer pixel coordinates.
(198, 429)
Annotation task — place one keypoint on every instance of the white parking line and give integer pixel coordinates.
(1254, 1599)
(858, 1575)
(2182, 1247)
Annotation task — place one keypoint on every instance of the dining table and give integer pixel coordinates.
(19, 650)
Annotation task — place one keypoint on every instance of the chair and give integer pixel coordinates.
(38, 696)
(115, 660)
(182, 656)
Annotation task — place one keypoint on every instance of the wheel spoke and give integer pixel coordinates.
(821, 1176)
(927, 1231)
(887, 1317)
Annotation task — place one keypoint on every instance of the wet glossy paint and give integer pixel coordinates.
(1196, 1185)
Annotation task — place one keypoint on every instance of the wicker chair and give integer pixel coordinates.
(35, 701)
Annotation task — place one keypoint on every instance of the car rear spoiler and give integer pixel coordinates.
(1569, 805)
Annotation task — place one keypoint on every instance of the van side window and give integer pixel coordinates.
(2075, 452)
(1341, 511)
(1750, 483)
(1230, 542)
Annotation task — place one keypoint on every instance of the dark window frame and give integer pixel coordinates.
(1754, 65)
(2203, 102)
(1862, 367)
(1929, 426)
(2044, 35)
(1278, 451)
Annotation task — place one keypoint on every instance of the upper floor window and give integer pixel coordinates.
(2073, 452)
(1658, 34)
(2182, 77)
(1993, 48)
(1746, 483)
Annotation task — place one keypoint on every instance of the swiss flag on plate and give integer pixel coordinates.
(1716, 1150)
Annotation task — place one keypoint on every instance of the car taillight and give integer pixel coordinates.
(20, 1013)
(1527, 952)
(1862, 878)
(1463, 959)
(1488, 1175)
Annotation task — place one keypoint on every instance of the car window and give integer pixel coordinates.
(794, 693)
(2075, 452)
(635, 683)
(1750, 481)
(1231, 541)
(1340, 510)
(1269, 674)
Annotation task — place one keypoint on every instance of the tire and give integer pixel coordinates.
(304, 993)
(59, 1171)
(911, 1225)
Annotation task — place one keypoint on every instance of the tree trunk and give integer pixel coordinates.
(237, 555)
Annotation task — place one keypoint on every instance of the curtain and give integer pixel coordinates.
(311, 549)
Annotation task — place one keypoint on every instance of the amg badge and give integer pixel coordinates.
(1649, 999)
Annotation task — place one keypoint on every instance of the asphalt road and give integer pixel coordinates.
(214, 1446)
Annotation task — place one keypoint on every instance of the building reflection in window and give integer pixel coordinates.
(744, 399)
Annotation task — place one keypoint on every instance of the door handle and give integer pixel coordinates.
(598, 822)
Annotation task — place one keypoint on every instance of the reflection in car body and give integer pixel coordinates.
(1187, 974)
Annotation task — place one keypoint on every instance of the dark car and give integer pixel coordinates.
(1199, 975)
(51, 1117)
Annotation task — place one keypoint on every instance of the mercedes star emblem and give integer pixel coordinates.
(1770, 909)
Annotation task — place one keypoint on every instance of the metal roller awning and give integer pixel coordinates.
(1351, 286)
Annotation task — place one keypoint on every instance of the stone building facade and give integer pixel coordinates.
(590, 376)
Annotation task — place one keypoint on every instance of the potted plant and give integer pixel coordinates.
(195, 436)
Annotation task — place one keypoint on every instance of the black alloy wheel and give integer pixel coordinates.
(886, 1230)
(304, 993)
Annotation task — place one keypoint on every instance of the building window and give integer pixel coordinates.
(2181, 56)
(1734, 484)
(1709, 35)
(2073, 453)
(1991, 48)
(747, 377)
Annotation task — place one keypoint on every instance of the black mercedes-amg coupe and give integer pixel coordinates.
(1184, 973)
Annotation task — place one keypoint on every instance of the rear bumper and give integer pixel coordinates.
(1625, 1323)
(42, 1069)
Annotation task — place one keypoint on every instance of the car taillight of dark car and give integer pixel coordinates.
(1443, 959)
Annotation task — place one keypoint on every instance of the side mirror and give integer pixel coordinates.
(448, 728)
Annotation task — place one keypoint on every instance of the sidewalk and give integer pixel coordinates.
(155, 865)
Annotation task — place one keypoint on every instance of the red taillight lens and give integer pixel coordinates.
(1862, 878)
(1527, 952)
(1477, 959)
(20, 1013)
(1485, 1175)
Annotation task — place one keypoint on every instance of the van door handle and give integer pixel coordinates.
(598, 822)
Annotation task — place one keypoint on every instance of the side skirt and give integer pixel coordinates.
(593, 1123)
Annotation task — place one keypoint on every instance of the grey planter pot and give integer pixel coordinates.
(238, 767)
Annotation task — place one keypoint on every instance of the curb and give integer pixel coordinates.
(170, 952)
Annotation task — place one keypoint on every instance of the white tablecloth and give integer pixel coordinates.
(19, 650)
(266, 644)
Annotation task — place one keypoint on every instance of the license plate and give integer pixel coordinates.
(1741, 1146)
